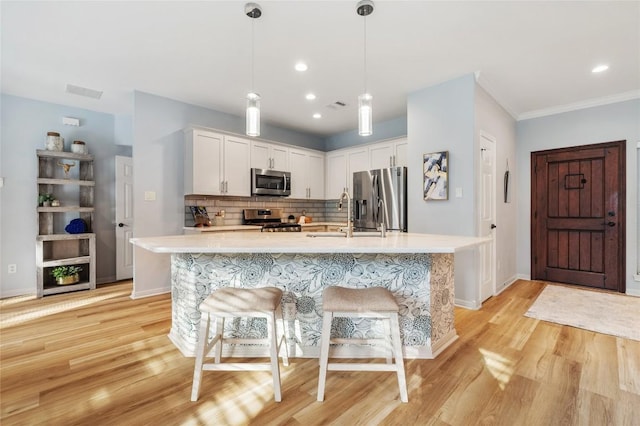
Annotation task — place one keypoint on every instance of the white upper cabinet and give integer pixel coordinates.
(203, 162)
(237, 166)
(216, 164)
(307, 174)
(336, 174)
(269, 156)
(388, 154)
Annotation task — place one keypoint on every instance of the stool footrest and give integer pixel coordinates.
(376, 341)
(360, 366)
(237, 366)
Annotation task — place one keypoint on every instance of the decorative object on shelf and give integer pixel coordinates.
(66, 275)
(79, 147)
(365, 8)
(66, 167)
(54, 142)
(253, 11)
(55, 203)
(76, 226)
(435, 169)
(45, 200)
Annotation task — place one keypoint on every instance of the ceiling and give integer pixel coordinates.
(531, 56)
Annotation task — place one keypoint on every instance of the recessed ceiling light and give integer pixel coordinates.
(317, 115)
(600, 68)
(310, 96)
(301, 66)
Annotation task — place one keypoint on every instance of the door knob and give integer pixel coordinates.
(611, 224)
(120, 225)
(493, 226)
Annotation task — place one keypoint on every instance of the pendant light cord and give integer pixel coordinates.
(365, 54)
(252, 53)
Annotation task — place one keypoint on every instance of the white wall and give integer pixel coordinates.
(492, 119)
(614, 122)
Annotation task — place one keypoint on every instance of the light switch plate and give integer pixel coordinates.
(149, 195)
(458, 192)
(1, 182)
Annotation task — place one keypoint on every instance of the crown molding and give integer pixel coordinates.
(589, 103)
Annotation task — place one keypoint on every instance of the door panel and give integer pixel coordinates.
(578, 215)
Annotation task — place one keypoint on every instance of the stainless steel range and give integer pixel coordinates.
(270, 219)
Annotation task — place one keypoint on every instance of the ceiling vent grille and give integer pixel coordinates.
(83, 91)
(336, 105)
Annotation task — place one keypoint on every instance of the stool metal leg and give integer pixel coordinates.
(324, 352)
(397, 349)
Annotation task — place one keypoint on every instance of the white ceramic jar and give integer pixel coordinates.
(79, 147)
(54, 142)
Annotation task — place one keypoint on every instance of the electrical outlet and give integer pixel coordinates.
(12, 268)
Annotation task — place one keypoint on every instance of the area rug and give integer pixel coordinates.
(614, 314)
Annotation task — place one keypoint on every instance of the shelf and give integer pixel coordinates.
(51, 181)
(64, 154)
(56, 289)
(66, 209)
(68, 261)
(61, 237)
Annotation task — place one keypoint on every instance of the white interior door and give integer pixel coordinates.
(124, 217)
(487, 223)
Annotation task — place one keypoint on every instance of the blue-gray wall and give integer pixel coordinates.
(25, 124)
(619, 121)
(383, 130)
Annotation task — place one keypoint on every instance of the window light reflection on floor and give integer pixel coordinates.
(500, 367)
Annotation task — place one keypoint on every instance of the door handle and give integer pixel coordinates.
(493, 226)
(611, 224)
(120, 225)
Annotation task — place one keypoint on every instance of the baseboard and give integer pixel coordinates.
(151, 292)
(523, 277)
(468, 304)
(507, 284)
(106, 280)
(18, 293)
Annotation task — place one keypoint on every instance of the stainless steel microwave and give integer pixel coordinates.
(270, 182)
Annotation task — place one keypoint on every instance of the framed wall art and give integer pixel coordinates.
(435, 168)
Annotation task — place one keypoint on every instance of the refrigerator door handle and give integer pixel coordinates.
(374, 192)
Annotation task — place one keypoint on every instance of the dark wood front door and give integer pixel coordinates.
(578, 215)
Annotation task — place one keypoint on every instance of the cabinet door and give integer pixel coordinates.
(280, 158)
(315, 176)
(336, 175)
(298, 169)
(203, 165)
(381, 155)
(402, 148)
(260, 156)
(237, 165)
(358, 161)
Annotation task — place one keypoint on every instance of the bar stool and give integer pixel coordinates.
(232, 303)
(374, 302)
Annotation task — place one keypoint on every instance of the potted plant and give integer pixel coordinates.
(66, 274)
(45, 199)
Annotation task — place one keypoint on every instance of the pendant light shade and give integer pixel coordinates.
(365, 8)
(253, 11)
(365, 115)
(253, 114)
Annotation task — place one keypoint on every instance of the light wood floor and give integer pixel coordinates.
(100, 358)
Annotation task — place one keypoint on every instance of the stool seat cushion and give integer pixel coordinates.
(230, 299)
(373, 299)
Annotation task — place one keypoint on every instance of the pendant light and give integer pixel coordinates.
(253, 11)
(364, 8)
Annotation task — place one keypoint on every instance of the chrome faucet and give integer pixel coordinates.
(349, 213)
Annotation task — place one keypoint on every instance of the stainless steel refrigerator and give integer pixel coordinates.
(380, 196)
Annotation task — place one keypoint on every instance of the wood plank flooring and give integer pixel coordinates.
(100, 358)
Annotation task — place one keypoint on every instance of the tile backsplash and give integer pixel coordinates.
(318, 210)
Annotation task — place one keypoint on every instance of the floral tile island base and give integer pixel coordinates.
(422, 284)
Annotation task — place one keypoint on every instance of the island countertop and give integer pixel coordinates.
(300, 242)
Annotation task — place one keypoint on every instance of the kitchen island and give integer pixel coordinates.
(416, 268)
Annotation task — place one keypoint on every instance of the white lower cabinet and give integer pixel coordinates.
(307, 174)
(216, 164)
